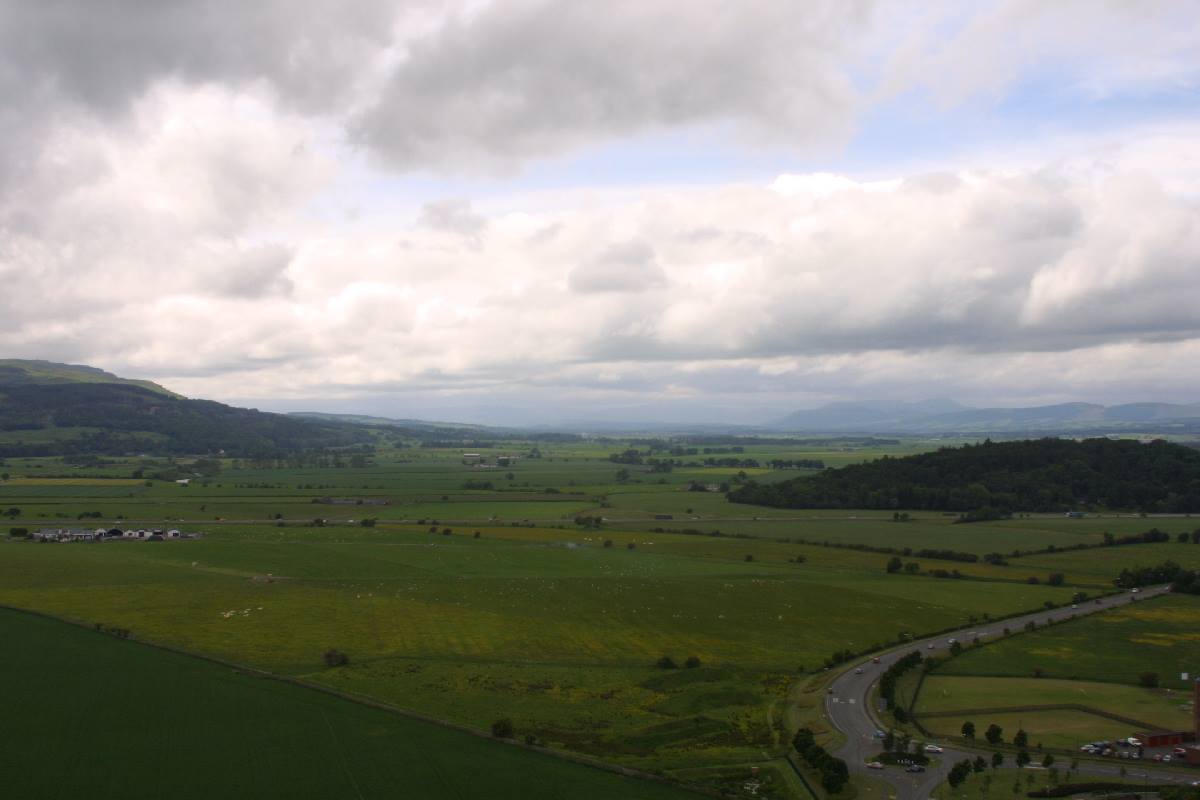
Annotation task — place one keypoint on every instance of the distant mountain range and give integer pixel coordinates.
(48, 408)
(947, 416)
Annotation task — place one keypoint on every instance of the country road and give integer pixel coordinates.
(848, 705)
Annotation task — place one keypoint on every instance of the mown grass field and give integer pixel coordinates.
(1160, 636)
(1008, 784)
(1158, 708)
(99, 717)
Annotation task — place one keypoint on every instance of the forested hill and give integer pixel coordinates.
(1032, 475)
(43, 411)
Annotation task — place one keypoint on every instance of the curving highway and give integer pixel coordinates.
(848, 706)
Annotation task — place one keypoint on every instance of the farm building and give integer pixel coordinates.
(1164, 738)
(184, 481)
(100, 534)
(64, 535)
(471, 458)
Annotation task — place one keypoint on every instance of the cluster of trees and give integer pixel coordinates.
(1184, 581)
(963, 769)
(887, 682)
(666, 662)
(796, 463)
(1033, 475)
(1152, 536)
(833, 770)
(986, 514)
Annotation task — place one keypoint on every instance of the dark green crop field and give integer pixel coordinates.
(99, 717)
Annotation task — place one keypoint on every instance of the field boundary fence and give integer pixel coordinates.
(1042, 707)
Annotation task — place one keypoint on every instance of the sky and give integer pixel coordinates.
(552, 211)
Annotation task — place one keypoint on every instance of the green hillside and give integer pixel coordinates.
(15, 371)
(95, 716)
(1034, 475)
(58, 409)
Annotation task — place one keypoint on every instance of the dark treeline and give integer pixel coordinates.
(887, 683)
(833, 770)
(1184, 581)
(1035, 475)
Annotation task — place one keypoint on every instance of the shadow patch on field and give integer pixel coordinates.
(679, 679)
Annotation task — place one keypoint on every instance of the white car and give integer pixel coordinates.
(875, 765)
(858, 670)
(933, 748)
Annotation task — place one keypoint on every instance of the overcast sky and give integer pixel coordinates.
(544, 210)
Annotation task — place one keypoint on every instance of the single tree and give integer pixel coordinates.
(968, 730)
(1022, 758)
(503, 728)
(994, 734)
(1021, 739)
(894, 564)
(997, 760)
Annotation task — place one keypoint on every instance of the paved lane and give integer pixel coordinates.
(848, 708)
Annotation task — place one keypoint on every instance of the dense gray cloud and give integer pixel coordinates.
(625, 267)
(524, 79)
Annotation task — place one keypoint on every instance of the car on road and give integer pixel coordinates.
(858, 670)
(830, 690)
(1179, 751)
(875, 660)
(1134, 590)
(880, 734)
(933, 748)
(1074, 605)
(875, 765)
(914, 768)
(930, 646)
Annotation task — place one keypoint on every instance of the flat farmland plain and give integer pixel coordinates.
(137, 722)
(552, 622)
(552, 629)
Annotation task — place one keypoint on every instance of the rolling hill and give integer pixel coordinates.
(60, 409)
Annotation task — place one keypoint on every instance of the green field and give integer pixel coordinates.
(1008, 784)
(943, 694)
(554, 623)
(1160, 635)
(94, 716)
(549, 627)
